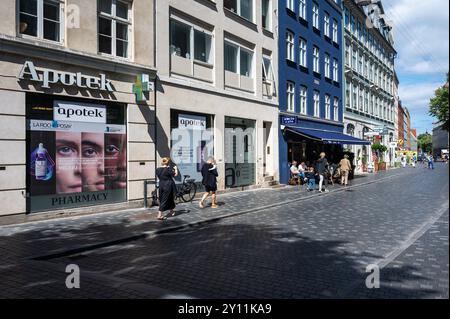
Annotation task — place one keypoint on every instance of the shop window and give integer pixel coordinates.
(76, 152)
(240, 152)
(41, 19)
(113, 27)
(192, 142)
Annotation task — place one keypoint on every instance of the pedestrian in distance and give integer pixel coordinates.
(322, 169)
(430, 162)
(413, 161)
(209, 174)
(167, 187)
(403, 160)
(345, 167)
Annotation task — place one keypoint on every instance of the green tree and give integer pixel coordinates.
(425, 142)
(439, 105)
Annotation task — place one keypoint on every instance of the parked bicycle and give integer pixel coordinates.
(186, 191)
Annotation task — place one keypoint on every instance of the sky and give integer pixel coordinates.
(421, 33)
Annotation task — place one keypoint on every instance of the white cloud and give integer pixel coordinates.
(417, 96)
(421, 32)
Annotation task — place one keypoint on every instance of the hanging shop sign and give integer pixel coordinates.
(142, 87)
(48, 77)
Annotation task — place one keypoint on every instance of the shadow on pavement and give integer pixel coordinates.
(229, 261)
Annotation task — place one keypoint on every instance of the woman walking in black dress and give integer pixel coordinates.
(209, 173)
(167, 187)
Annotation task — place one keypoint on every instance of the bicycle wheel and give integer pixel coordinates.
(188, 193)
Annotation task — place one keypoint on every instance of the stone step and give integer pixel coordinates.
(268, 178)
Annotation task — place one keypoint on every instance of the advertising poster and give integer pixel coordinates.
(76, 154)
(192, 144)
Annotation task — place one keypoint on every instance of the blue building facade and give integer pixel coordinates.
(311, 97)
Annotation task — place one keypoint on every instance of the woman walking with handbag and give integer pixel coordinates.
(167, 187)
(209, 173)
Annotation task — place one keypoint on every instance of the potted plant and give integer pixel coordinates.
(379, 149)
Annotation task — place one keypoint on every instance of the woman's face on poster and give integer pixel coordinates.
(116, 160)
(68, 162)
(92, 153)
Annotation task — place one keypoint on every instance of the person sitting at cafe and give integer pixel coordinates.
(301, 170)
(294, 172)
(310, 178)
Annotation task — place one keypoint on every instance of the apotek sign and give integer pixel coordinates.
(49, 77)
(78, 112)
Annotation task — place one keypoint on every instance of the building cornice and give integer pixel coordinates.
(36, 49)
(363, 14)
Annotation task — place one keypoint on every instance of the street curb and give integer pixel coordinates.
(77, 250)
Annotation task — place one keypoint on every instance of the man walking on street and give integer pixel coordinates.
(345, 167)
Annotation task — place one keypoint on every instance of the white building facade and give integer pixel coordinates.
(369, 80)
(216, 91)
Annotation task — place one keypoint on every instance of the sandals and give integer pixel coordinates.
(161, 218)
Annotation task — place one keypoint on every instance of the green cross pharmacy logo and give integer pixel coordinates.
(141, 86)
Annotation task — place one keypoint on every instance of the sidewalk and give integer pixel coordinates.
(60, 237)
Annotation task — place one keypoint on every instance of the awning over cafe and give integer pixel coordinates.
(327, 137)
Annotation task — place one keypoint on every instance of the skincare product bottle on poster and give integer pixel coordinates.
(40, 166)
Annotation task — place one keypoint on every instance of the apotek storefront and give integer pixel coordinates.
(72, 135)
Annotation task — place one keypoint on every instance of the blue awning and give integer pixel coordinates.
(327, 137)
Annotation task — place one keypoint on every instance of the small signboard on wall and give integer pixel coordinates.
(287, 120)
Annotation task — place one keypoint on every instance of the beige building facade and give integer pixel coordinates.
(217, 67)
(73, 132)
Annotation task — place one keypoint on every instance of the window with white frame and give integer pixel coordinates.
(327, 65)
(315, 16)
(335, 31)
(290, 97)
(303, 53)
(360, 63)
(302, 9)
(244, 8)
(290, 5)
(327, 107)
(268, 75)
(114, 25)
(290, 46)
(266, 10)
(316, 103)
(354, 96)
(366, 102)
(354, 59)
(336, 109)
(347, 93)
(361, 98)
(190, 42)
(347, 55)
(316, 67)
(335, 70)
(326, 25)
(41, 19)
(303, 99)
(238, 59)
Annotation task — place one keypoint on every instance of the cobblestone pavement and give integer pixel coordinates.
(283, 243)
